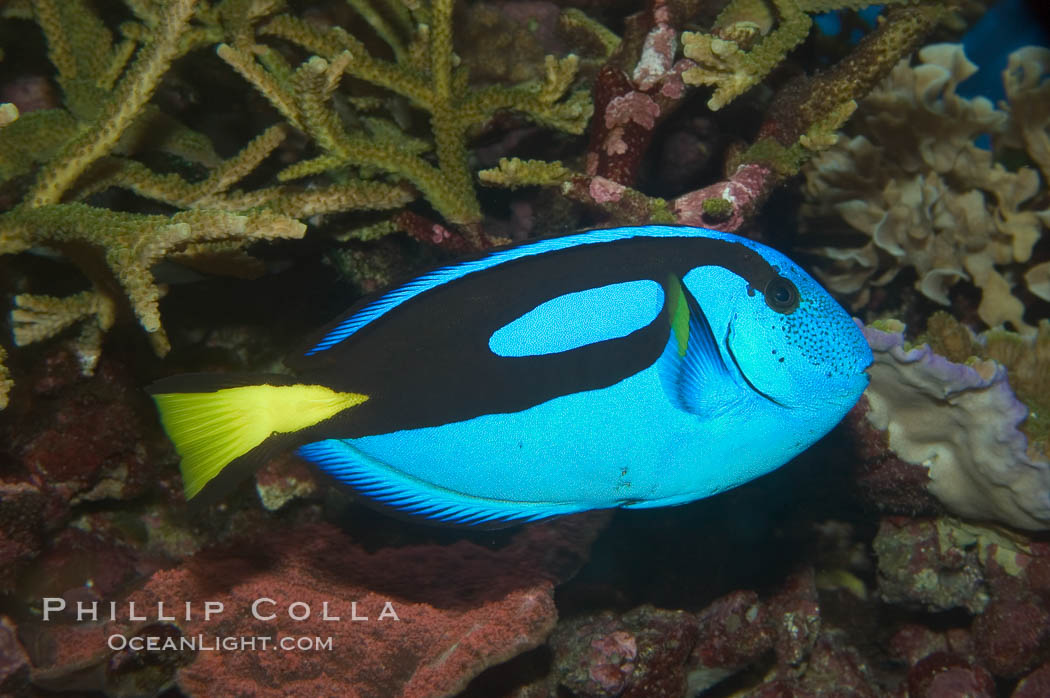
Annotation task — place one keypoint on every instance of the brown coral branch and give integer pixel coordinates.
(431, 233)
(804, 115)
(810, 100)
(745, 192)
(426, 77)
(38, 317)
(628, 107)
(60, 52)
(173, 189)
(35, 318)
(622, 205)
(353, 195)
(5, 380)
(803, 120)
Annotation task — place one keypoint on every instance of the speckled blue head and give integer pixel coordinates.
(804, 359)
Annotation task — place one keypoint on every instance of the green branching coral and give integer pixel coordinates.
(101, 89)
(130, 244)
(87, 146)
(355, 105)
(750, 38)
(515, 172)
(423, 73)
(803, 118)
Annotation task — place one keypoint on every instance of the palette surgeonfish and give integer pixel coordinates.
(630, 367)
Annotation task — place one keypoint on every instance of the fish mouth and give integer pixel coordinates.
(729, 350)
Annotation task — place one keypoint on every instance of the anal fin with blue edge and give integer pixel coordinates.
(401, 493)
(693, 372)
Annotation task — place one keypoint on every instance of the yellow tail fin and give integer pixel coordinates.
(211, 429)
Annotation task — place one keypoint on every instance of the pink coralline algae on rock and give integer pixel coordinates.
(913, 643)
(605, 190)
(437, 615)
(944, 675)
(1035, 685)
(82, 438)
(14, 664)
(998, 575)
(283, 480)
(23, 510)
(777, 646)
(644, 652)
(919, 564)
(72, 440)
(745, 191)
(634, 106)
(1012, 636)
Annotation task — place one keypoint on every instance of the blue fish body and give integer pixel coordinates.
(632, 367)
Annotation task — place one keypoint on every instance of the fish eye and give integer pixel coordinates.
(781, 295)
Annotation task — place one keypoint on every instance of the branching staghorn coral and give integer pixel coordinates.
(130, 244)
(929, 197)
(422, 73)
(61, 158)
(625, 206)
(751, 37)
(106, 91)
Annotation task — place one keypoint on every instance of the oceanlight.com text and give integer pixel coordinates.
(217, 643)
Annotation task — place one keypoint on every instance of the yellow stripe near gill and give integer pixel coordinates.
(210, 430)
(679, 313)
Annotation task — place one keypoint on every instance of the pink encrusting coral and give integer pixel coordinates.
(998, 575)
(76, 440)
(420, 620)
(744, 191)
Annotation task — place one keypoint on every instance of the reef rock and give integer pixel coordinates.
(644, 652)
(778, 646)
(944, 563)
(1035, 685)
(960, 422)
(14, 665)
(941, 675)
(418, 620)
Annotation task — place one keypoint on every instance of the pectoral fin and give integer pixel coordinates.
(692, 370)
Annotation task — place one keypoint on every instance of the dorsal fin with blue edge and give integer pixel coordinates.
(417, 498)
(694, 375)
(355, 320)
